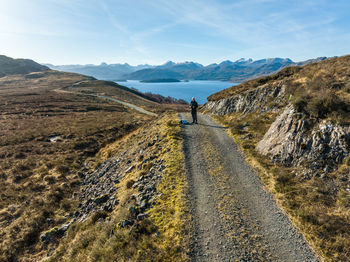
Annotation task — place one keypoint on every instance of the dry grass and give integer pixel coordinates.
(234, 90)
(123, 93)
(319, 90)
(319, 206)
(162, 236)
(38, 177)
(171, 214)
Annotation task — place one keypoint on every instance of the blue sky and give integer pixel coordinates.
(155, 31)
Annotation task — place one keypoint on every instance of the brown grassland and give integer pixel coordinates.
(163, 236)
(45, 137)
(111, 89)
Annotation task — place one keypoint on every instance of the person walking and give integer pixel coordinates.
(194, 106)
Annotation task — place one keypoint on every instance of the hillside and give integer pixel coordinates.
(150, 74)
(148, 101)
(163, 80)
(242, 70)
(294, 129)
(133, 205)
(103, 71)
(52, 126)
(10, 66)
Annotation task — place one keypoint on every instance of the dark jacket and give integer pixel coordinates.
(193, 106)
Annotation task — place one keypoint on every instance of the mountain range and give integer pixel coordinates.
(238, 71)
(103, 71)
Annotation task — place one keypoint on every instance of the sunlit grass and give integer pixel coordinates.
(161, 237)
(318, 210)
(38, 177)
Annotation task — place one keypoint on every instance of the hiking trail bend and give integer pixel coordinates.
(233, 217)
(132, 106)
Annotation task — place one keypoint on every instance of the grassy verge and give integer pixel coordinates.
(160, 237)
(320, 212)
(171, 215)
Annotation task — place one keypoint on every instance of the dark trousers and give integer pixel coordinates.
(194, 116)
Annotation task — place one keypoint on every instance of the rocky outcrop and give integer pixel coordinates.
(53, 234)
(147, 187)
(264, 98)
(147, 194)
(136, 166)
(289, 141)
(101, 186)
(98, 189)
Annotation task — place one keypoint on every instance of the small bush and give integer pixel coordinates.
(97, 215)
(50, 179)
(172, 123)
(284, 182)
(66, 204)
(79, 145)
(319, 103)
(324, 103)
(300, 102)
(130, 183)
(308, 216)
(317, 84)
(343, 198)
(62, 169)
(56, 195)
(74, 182)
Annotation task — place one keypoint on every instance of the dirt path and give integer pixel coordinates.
(132, 106)
(234, 218)
(137, 108)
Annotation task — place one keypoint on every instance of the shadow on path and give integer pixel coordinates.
(222, 127)
(200, 124)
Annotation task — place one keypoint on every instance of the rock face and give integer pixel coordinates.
(289, 141)
(264, 98)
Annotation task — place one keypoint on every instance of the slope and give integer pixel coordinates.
(294, 128)
(115, 91)
(133, 205)
(103, 71)
(45, 138)
(154, 73)
(10, 66)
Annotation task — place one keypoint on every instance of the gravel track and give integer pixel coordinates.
(135, 107)
(234, 218)
(132, 106)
